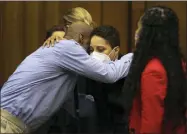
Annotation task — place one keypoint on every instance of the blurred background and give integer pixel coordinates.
(23, 25)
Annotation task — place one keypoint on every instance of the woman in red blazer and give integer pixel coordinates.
(154, 92)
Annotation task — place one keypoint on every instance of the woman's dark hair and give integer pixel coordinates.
(159, 38)
(52, 30)
(109, 33)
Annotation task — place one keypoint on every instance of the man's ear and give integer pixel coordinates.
(117, 49)
(81, 38)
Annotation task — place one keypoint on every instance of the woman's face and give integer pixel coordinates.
(99, 44)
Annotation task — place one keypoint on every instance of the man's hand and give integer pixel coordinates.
(50, 42)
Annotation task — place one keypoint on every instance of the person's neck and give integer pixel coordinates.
(69, 37)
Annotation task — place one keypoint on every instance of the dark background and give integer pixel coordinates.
(23, 25)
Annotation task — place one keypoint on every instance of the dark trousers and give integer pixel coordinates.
(87, 114)
(64, 122)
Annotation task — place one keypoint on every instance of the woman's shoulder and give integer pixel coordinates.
(154, 65)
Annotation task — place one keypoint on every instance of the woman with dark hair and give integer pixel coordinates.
(105, 46)
(154, 91)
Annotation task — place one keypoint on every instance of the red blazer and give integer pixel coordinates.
(148, 106)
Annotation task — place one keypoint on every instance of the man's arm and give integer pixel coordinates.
(75, 59)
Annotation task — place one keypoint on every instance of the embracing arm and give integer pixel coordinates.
(75, 59)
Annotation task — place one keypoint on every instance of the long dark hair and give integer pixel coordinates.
(159, 38)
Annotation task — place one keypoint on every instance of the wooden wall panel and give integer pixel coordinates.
(12, 36)
(138, 8)
(32, 27)
(1, 43)
(180, 9)
(64, 6)
(118, 17)
(52, 13)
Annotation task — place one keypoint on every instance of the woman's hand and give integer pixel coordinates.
(50, 42)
